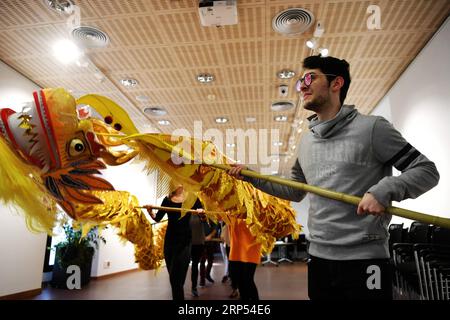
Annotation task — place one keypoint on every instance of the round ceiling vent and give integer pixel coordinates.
(90, 37)
(292, 21)
(282, 105)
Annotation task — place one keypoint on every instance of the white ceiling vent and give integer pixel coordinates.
(90, 37)
(217, 13)
(292, 21)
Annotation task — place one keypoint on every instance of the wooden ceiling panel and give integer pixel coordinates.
(195, 55)
(26, 13)
(249, 25)
(162, 44)
(153, 58)
(109, 8)
(143, 30)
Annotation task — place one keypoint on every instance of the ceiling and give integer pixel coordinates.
(162, 44)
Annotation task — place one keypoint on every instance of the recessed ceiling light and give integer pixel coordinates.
(299, 130)
(155, 111)
(129, 82)
(250, 119)
(280, 118)
(164, 122)
(221, 120)
(285, 74)
(282, 105)
(231, 145)
(276, 160)
(278, 143)
(142, 98)
(274, 172)
(205, 78)
(211, 97)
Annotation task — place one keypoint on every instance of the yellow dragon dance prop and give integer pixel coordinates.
(53, 151)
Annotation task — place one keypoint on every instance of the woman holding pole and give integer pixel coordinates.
(177, 241)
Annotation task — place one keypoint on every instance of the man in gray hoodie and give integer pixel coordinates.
(351, 153)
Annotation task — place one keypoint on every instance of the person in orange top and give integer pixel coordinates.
(245, 255)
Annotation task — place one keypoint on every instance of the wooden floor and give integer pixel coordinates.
(285, 282)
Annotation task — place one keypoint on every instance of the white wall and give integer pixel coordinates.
(129, 177)
(21, 252)
(419, 107)
(302, 208)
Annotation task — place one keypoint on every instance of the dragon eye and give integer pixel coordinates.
(76, 147)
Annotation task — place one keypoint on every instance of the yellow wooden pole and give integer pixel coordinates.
(339, 196)
(171, 209)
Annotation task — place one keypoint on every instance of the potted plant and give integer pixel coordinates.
(75, 251)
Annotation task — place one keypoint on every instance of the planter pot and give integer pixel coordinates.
(81, 257)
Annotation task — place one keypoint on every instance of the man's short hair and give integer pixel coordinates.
(331, 65)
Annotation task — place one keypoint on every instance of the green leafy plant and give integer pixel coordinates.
(77, 250)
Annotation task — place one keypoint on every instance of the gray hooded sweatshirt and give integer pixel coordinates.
(354, 154)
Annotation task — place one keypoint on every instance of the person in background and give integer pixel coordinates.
(245, 255)
(177, 241)
(224, 244)
(225, 237)
(197, 249)
(210, 230)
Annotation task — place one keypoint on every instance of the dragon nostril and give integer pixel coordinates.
(108, 119)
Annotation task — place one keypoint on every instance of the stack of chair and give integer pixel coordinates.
(421, 259)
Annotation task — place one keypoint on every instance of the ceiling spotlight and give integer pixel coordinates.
(221, 120)
(60, 6)
(205, 78)
(129, 82)
(285, 74)
(278, 143)
(231, 145)
(281, 118)
(323, 52)
(155, 111)
(250, 119)
(311, 43)
(164, 122)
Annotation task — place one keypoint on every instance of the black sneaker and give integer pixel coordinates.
(224, 279)
(210, 279)
(202, 283)
(194, 292)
